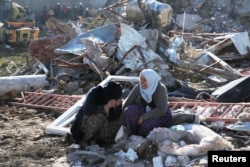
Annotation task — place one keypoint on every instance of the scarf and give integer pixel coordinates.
(152, 79)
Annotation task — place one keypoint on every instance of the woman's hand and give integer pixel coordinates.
(110, 104)
(140, 120)
(118, 102)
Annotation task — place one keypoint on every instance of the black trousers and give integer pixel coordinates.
(180, 117)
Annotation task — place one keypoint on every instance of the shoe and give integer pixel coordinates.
(202, 118)
(199, 118)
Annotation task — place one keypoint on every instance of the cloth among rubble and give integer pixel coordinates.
(194, 140)
(98, 118)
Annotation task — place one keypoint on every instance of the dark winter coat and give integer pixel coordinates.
(94, 103)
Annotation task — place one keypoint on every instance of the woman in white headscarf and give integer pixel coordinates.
(146, 107)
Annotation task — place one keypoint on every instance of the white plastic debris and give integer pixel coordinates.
(74, 146)
(131, 155)
(157, 161)
(217, 79)
(172, 52)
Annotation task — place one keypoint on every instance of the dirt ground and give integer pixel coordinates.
(23, 141)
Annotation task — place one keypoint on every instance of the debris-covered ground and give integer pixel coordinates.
(25, 143)
(23, 138)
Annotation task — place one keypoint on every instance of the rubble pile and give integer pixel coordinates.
(189, 43)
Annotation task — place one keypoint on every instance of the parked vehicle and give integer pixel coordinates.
(15, 26)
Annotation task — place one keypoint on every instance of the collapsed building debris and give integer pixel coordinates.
(129, 48)
(223, 112)
(123, 50)
(227, 113)
(75, 46)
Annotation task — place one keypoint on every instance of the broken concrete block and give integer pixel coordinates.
(93, 160)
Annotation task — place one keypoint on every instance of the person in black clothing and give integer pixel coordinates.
(57, 10)
(99, 117)
(44, 15)
(81, 10)
(74, 13)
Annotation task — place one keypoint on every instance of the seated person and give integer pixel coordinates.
(99, 117)
(146, 107)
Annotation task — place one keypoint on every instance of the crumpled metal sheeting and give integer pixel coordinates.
(140, 55)
(75, 46)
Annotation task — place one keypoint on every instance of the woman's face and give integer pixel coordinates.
(143, 82)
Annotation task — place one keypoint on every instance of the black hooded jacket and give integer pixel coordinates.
(94, 103)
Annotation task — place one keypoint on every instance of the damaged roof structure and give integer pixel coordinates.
(144, 35)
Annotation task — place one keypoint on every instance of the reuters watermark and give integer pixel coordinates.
(221, 158)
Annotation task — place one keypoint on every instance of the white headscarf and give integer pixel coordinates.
(152, 79)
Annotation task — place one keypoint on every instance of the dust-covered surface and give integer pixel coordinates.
(23, 141)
